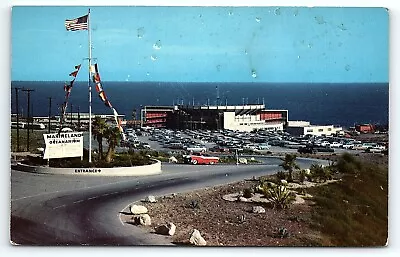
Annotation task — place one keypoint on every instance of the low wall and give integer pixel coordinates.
(144, 170)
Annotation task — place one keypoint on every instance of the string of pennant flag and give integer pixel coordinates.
(67, 90)
(99, 88)
(82, 23)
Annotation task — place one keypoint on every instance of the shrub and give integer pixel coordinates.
(302, 174)
(347, 164)
(281, 175)
(194, 204)
(248, 192)
(320, 173)
(282, 233)
(279, 196)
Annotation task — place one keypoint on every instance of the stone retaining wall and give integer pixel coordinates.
(144, 170)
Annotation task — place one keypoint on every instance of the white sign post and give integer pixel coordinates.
(60, 145)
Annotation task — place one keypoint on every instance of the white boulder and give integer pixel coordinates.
(243, 199)
(143, 219)
(138, 209)
(258, 209)
(172, 159)
(150, 199)
(243, 160)
(168, 229)
(196, 238)
(284, 182)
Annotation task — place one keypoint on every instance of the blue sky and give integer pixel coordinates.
(204, 44)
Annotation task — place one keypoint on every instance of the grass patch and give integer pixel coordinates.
(35, 140)
(354, 212)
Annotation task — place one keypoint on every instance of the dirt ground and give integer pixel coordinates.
(225, 223)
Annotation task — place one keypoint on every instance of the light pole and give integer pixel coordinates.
(237, 157)
(28, 119)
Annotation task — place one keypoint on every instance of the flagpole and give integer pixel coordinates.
(90, 90)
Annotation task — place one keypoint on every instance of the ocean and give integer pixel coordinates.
(319, 103)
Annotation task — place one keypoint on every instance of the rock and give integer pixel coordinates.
(168, 229)
(258, 209)
(150, 199)
(138, 209)
(283, 233)
(284, 182)
(143, 219)
(197, 239)
(172, 159)
(243, 160)
(243, 199)
(307, 171)
(252, 159)
(231, 197)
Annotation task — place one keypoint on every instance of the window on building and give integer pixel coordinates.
(329, 129)
(310, 130)
(320, 130)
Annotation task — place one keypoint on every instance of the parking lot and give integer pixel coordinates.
(232, 142)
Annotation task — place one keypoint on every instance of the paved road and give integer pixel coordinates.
(84, 210)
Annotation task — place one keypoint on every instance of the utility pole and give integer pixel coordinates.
(49, 114)
(17, 107)
(31, 117)
(28, 119)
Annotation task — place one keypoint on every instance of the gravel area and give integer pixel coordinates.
(226, 223)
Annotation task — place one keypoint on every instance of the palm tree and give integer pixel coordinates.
(113, 135)
(99, 128)
(289, 164)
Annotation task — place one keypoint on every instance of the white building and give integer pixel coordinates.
(302, 128)
(249, 122)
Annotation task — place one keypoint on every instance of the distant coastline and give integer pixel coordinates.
(321, 103)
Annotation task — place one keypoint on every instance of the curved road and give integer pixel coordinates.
(84, 210)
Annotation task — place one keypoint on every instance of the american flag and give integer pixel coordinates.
(80, 23)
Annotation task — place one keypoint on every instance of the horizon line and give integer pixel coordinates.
(222, 82)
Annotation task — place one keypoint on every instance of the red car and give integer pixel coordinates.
(200, 159)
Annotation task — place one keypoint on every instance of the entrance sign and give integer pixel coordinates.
(60, 145)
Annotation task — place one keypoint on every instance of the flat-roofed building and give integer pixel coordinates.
(214, 117)
(302, 128)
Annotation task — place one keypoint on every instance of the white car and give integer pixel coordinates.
(325, 143)
(196, 149)
(348, 146)
(250, 147)
(336, 144)
(263, 147)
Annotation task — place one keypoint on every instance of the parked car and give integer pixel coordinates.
(348, 146)
(306, 149)
(336, 145)
(196, 149)
(200, 159)
(324, 149)
(263, 146)
(219, 149)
